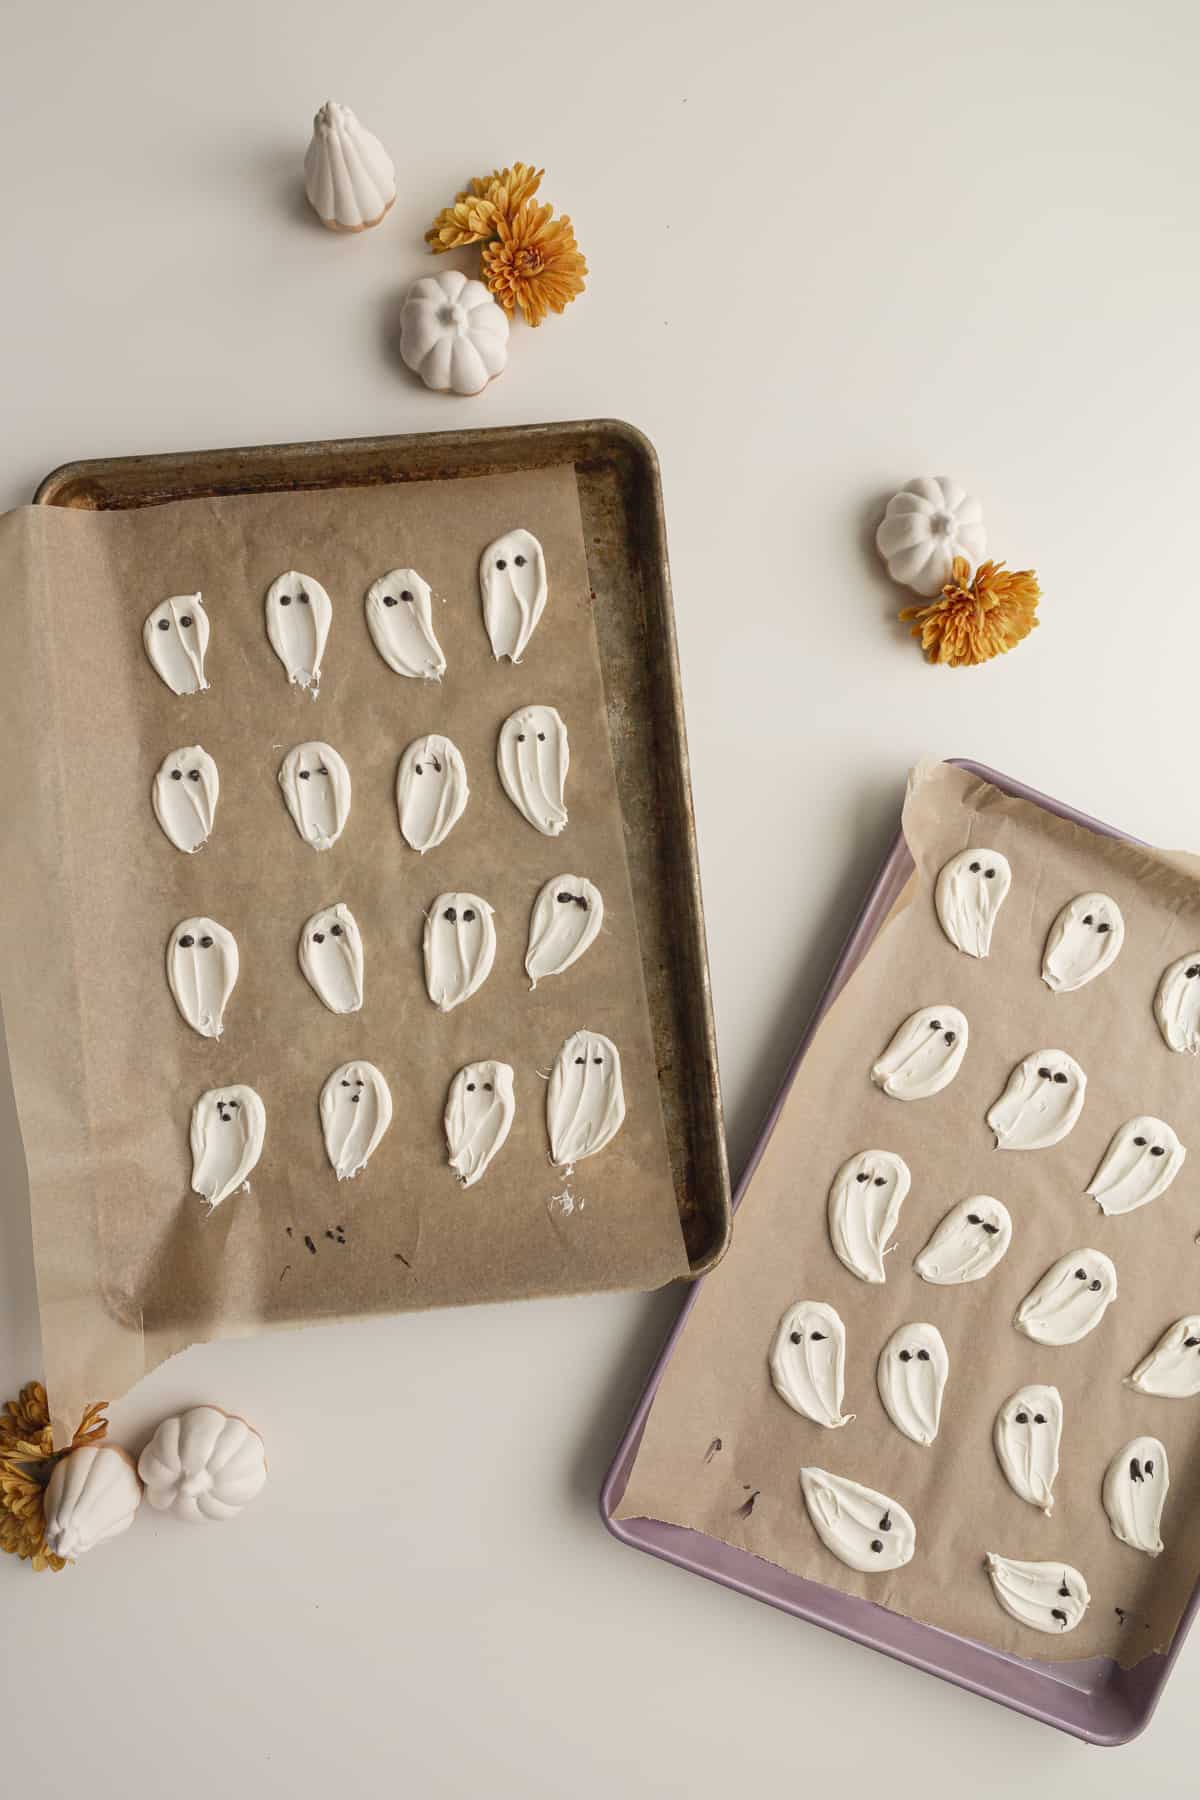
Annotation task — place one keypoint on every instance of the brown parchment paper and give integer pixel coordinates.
(129, 1267)
(717, 1384)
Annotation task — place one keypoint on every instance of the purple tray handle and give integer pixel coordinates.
(1093, 1698)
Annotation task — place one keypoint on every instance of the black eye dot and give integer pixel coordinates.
(906, 1356)
(922, 1356)
(1193, 971)
(469, 916)
(541, 737)
(285, 599)
(406, 594)
(975, 868)
(1157, 1150)
(390, 600)
(1056, 1612)
(322, 770)
(206, 943)
(1094, 1286)
(1039, 1418)
(1140, 1142)
(989, 874)
(419, 769)
(879, 1181)
(1065, 1591)
(1149, 1467)
(597, 1059)
(1045, 1074)
(863, 1177)
(885, 1524)
(877, 1544)
(797, 1337)
(304, 774)
(193, 774)
(935, 1024)
(1087, 918)
(450, 915)
(520, 737)
(1190, 1343)
(974, 1219)
(1081, 1274)
(186, 619)
(520, 561)
(345, 1083)
(318, 937)
(1102, 926)
(500, 563)
(186, 942)
(470, 1087)
(950, 1036)
(1022, 1418)
(1060, 1077)
(565, 899)
(581, 1059)
(818, 1337)
(176, 774)
(164, 624)
(488, 1088)
(335, 930)
(302, 597)
(990, 1229)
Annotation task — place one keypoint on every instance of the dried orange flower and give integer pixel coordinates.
(27, 1458)
(477, 211)
(535, 263)
(979, 618)
(509, 189)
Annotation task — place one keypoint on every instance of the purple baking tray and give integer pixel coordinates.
(1094, 1698)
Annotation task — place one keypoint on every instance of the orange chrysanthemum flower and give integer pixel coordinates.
(979, 618)
(477, 211)
(27, 1458)
(535, 263)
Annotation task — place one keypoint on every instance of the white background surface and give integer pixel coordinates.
(832, 247)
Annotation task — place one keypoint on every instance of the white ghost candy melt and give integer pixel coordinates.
(585, 1098)
(1172, 1369)
(1027, 1435)
(431, 792)
(480, 1109)
(176, 638)
(229, 1125)
(356, 1110)
(1070, 1300)
(911, 1374)
(1139, 1165)
(967, 1244)
(808, 1363)
(1041, 1104)
(460, 948)
(184, 797)
(316, 789)
(925, 1054)
(512, 586)
(971, 889)
(566, 919)
(202, 971)
(1050, 1597)
(1084, 940)
(532, 757)
(331, 958)
(1135, 1492)
(400, 620)
(864, 1529)
(1177, 1004)
(299, 615)
(864, 1205)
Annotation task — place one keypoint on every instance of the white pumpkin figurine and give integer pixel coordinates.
(91, 1496)
(349, 177)
(925, 527)
(452, 333)
(203, 1464)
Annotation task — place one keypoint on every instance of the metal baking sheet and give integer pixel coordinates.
(1094, 1698)
(625, 534)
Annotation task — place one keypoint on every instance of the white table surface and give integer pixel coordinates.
(832, 247)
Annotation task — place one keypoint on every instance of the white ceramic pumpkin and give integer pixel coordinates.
(452, 333)
(203, 1464)
(925, 527)
(91, 1496)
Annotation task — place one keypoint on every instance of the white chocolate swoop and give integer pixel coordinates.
(566, 920)
(1027, 1436)
(1084, 940)
(512, 585)
(1172, 1369)
(184, 796)
(533, 757)
(1070, 1300)
(229, 1126)
(202, 971)
(971, 889)
(316, 790)
(1139, 1165)
(864, 1205)
(925, 1054)
(400, 620)
(299, 615)
(460, 948)
(1177, 1004)
(331, 958)
(585, 1098)
(808, 1363)
(1049, 1597)
(1041, 1104)
(480, 1109)
(356, 1110)
(431, 792)
(176, 638)
(967, 1244)
(203, 1465)
(92, 1495)
(864, 1529)
(913, 1368)
(1135, 1492)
